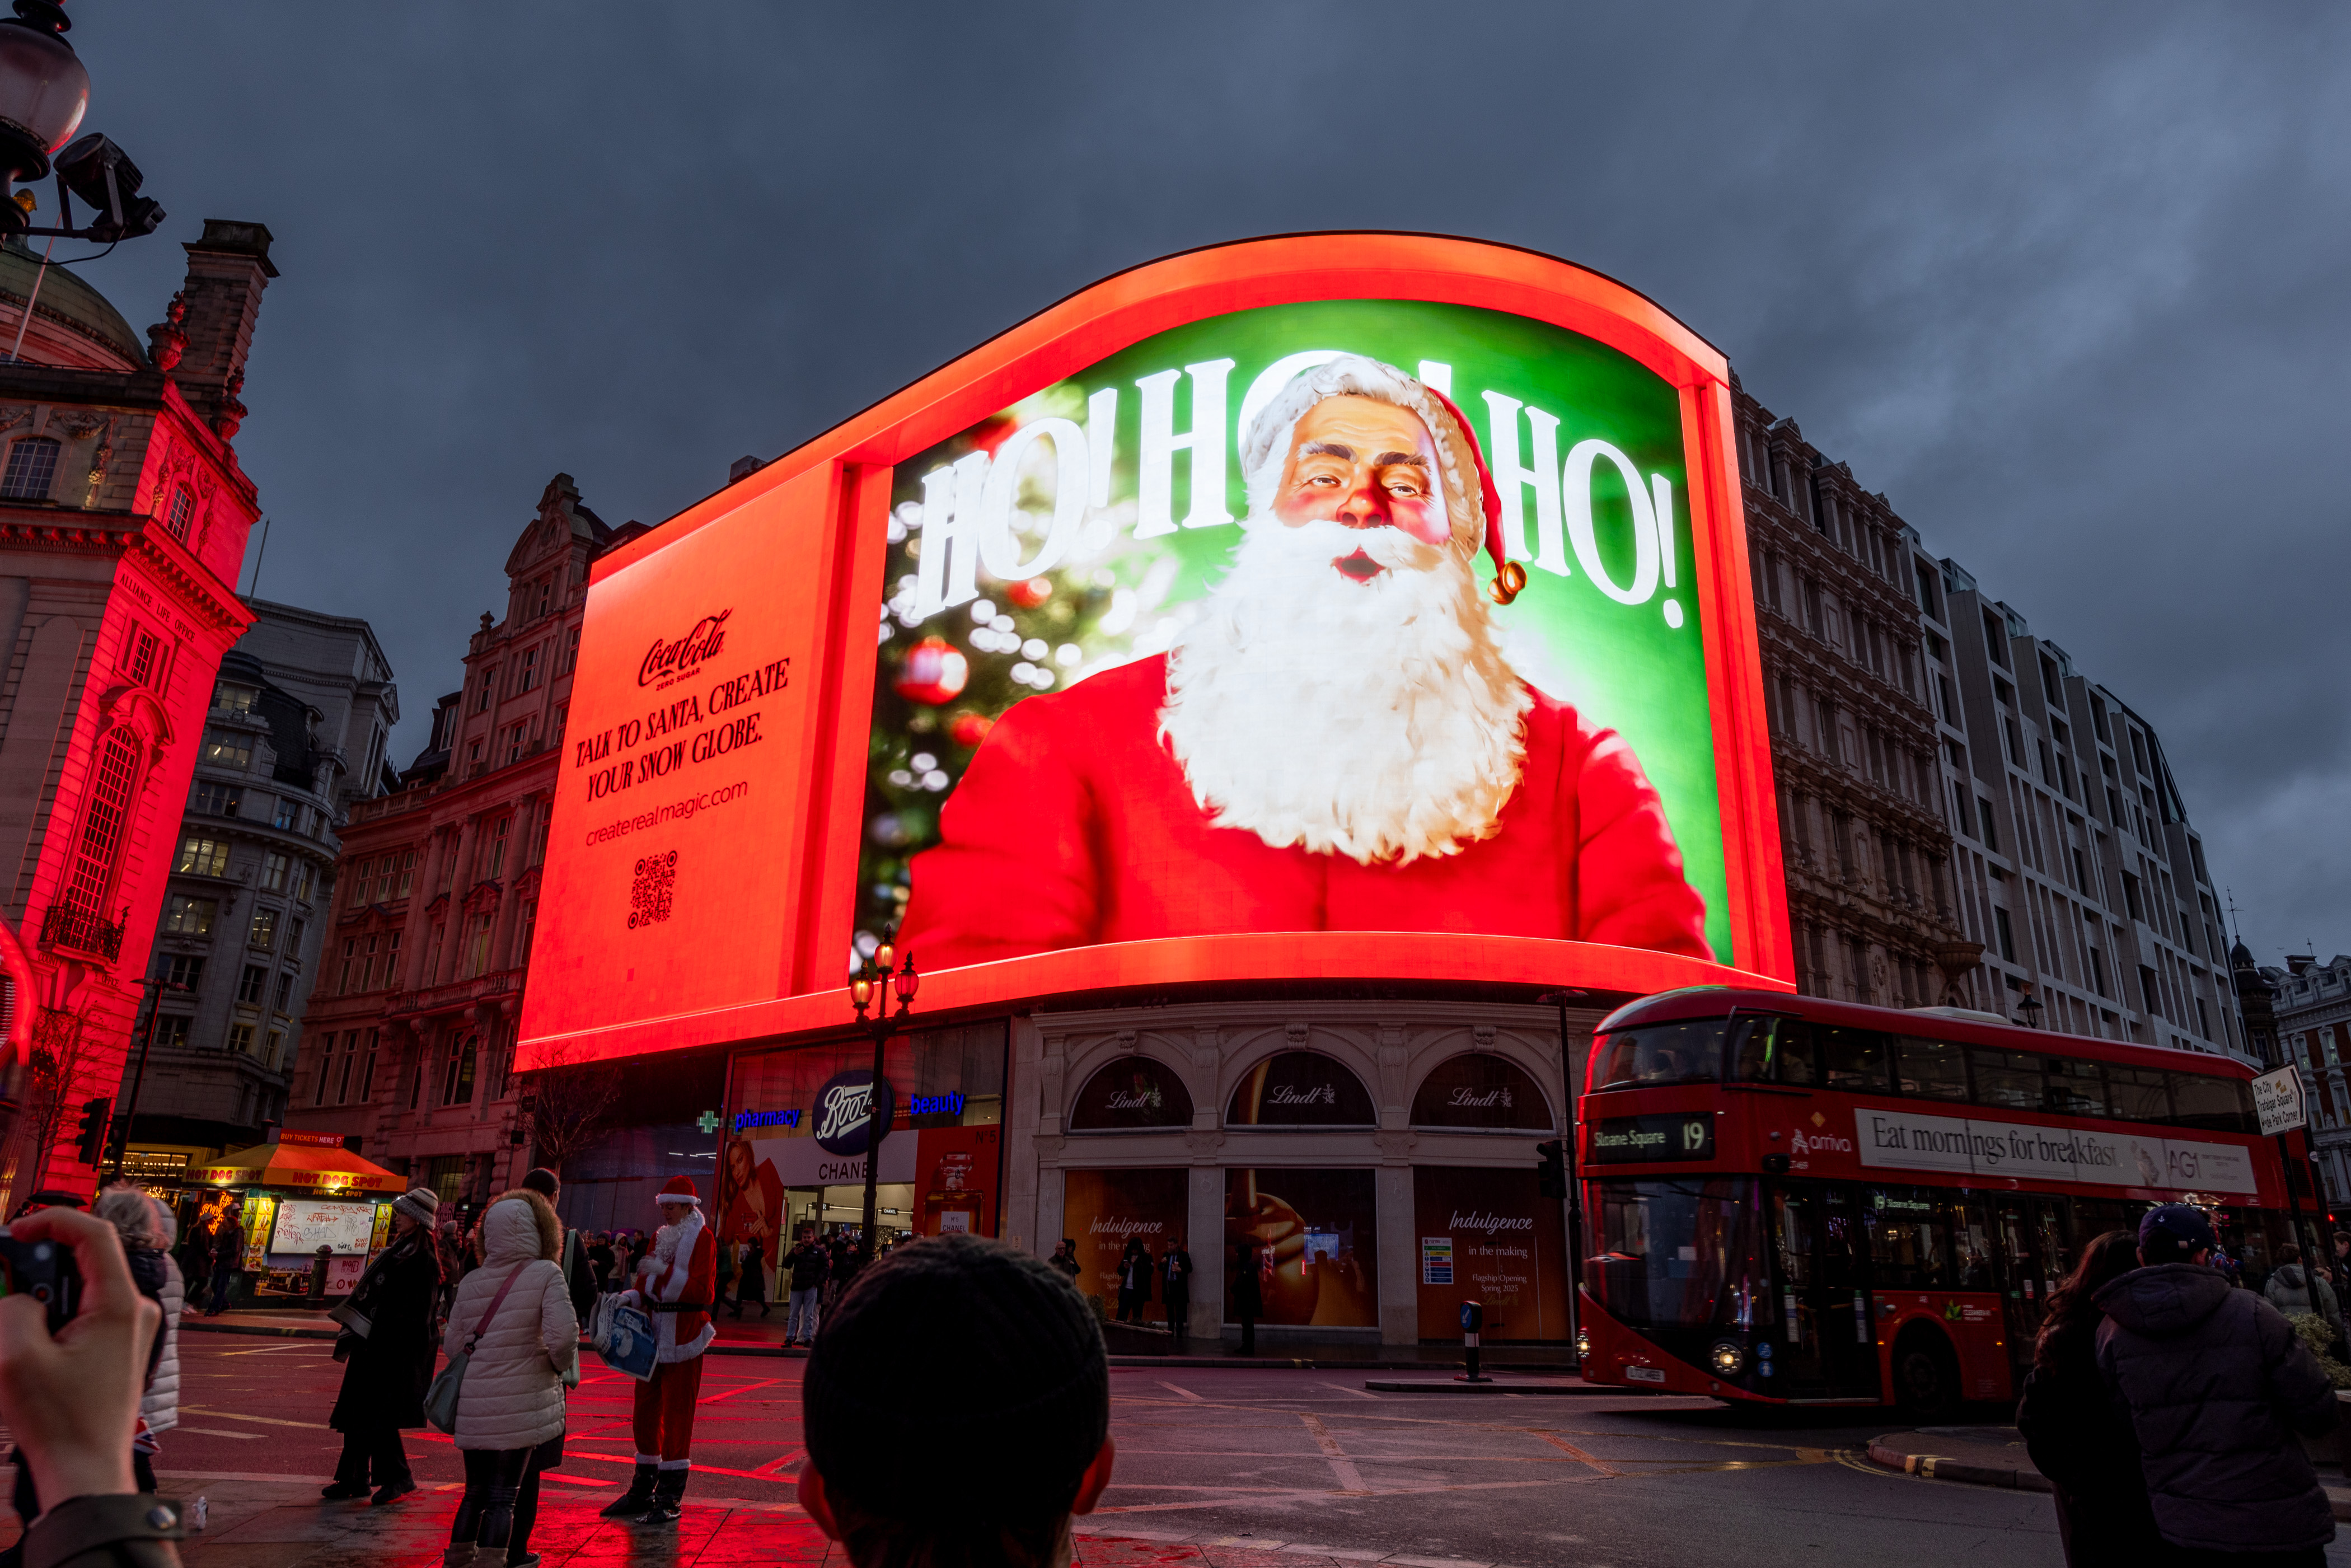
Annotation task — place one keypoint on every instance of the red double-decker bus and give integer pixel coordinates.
(1798, 1201)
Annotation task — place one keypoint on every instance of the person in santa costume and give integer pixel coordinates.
(1336, 742)
(678, 1283)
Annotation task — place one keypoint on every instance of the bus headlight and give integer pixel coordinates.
(1583, 1344)
(1727, 1358)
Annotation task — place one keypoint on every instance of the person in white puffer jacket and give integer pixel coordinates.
(510, 1405)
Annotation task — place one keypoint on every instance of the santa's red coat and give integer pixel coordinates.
(1074, 824)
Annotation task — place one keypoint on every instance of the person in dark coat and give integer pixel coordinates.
(1248, 1297)
(753, 1287)
(1134, 1280)
(229, 1260)
(1176, 1290)
(2217, 1386)
(2071, 1429)
(387, 1370)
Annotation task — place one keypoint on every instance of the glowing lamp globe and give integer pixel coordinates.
(933, 672)
(1031, 593)
(43, 88)
(968, 729)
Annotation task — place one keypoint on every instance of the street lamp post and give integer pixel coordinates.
(871, 984)
(44, 91)
(139, 1078)
(2031, 1008)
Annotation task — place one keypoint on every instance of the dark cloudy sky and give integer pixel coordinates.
(2067, 283)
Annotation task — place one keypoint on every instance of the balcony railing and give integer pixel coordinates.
(78, 930)
(456, 994)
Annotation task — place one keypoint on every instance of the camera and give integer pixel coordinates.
(43, 1270)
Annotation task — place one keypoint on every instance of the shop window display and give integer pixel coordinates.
(1315, 1237)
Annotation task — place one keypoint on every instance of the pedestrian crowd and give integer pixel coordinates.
(2168, 1403)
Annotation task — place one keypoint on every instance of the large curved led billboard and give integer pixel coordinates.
(1341, 605)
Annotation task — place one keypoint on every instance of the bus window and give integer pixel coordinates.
(1688, 1052)
(1677, 1253)
(1934, 1069)
(1971, 1243)
(1909, 1238)
(2216, 1105)
(2008, 1078)
(1776, 1051)
(1852, 1060)
(2136, 1093)
(2076, 1087)
(2094, 1216)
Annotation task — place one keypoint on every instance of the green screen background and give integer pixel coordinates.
(1623, 666)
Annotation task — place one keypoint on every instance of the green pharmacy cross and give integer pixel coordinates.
(707, 1121)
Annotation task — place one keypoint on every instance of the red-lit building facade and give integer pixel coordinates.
(123, 521)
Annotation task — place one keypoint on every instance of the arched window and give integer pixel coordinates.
(1479, 1089)
(32, 464)
(103, 819)
(1132, 1092)
(1300, 1089)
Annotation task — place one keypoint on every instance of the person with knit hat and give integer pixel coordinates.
(1336, 741)
(678, 1283)
(977, 1370)
(387, 1368)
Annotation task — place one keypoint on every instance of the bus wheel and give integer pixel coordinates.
(1926, 1375)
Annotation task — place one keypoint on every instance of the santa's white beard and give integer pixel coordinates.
(1377, 720)
(667, 1239)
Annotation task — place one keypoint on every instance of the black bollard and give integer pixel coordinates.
(1473, 1318)
(319, 1275)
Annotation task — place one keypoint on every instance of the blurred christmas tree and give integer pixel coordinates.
(941, 683)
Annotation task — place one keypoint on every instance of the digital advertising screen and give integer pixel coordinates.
(1347, 604)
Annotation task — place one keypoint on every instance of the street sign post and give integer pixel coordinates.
(2277, 1098)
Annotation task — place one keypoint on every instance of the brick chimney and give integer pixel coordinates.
(227, 270)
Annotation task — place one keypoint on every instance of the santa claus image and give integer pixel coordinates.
(678, 1283)
(1336, 743)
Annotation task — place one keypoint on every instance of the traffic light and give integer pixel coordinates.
(1551, 1172)
(95, 1113)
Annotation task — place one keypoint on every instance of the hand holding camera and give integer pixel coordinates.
(71, 1370)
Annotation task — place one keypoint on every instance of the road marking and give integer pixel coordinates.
(265, 1350)
(1184, 1393)
(743, 1388)
(262, 1420)
(217, 1432)
(1358, 1393)
(1341, 1467)
(1573, 1452)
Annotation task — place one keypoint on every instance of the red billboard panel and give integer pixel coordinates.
(1348, 606)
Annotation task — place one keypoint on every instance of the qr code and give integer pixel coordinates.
(649, 894)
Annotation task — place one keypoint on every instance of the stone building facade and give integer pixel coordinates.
(123, 521)
(2078, 868)
(1865, 849)
(294, 737)
(2313, 1003)
(411, 1026)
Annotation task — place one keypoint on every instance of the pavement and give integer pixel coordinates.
(1995, 1457)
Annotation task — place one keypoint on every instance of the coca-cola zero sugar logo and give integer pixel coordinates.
(664, 661)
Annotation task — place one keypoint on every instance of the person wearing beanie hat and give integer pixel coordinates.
(387, 1369)
(1336, 736)
(678, 1282)
(2219, 1391)
(977, 1369)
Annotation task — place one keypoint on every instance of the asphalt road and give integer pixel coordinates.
(1268, 1459)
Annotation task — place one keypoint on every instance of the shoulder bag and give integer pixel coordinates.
(441, 1399)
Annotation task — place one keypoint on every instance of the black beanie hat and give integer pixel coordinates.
(958, 1379)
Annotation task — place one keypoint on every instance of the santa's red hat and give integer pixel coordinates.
(679, 1189)
(1481, 504)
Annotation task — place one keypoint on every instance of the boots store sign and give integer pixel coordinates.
(1069, 661)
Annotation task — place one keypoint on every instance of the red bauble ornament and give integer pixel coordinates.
(934, 671)
(968, 729)
(1032, 594)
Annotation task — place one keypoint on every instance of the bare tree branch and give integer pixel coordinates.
(567, 1104)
